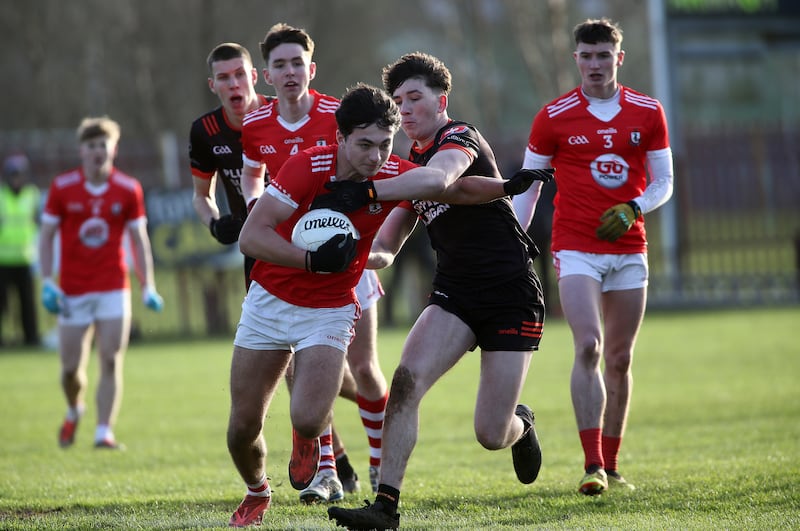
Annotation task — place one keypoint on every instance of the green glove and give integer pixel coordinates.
(617, 220)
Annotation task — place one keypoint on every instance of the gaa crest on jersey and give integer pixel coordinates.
(636, 137)
(321, 142)
(116, 209)
(609, 170)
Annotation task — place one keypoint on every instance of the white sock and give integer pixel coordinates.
(103, 432)
(259, 489)
(75, 413)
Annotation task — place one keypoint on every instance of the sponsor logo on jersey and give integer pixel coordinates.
(232, 173)
(609, 170)
(609, 131)
(221, 150)
(267, 149)
(295, 140)
(93, 233)
(456, 130)
(429, 210)
(577, 140)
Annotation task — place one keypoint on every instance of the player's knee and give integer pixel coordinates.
(309, 422)
(587, 350)
(490, 435)
(619, 363)
(307, 430)
(363, 372)
(490, 441)
(242, 432)
(403, 383)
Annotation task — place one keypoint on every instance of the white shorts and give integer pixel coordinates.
(614, 272)
(83, 310)
(368, 289)
(270, 323)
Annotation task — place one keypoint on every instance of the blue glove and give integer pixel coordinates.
(152, 299)
(52, 296)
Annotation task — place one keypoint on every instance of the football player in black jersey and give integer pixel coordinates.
(485, 291)
(215, 147)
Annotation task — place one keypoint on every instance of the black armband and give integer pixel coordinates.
(637, 211)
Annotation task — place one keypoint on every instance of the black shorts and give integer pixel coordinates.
(508, 317)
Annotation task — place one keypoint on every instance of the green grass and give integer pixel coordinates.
(712, 441)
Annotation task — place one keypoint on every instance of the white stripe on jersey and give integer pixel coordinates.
(265, 111)
(641, 101)
(321, 162)
(327, 106)
(562, 105)
(391, 167)
(67, 179)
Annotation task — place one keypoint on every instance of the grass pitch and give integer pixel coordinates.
(712, 440)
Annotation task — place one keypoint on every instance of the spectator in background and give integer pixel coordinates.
(92, 207)
(19, 217)
(603, 139)
(215, 143)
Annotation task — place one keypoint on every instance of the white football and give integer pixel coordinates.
(320, 225)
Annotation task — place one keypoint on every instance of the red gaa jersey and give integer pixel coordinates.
(269, 139)
(301, 179)
(92, 221)
(598, 165)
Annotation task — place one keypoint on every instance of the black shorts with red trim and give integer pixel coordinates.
(505, 317)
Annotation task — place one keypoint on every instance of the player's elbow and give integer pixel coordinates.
(435, 184)
(246, 241)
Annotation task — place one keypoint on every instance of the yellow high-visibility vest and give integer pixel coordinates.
(18, 229)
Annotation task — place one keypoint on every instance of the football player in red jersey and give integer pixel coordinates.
(603, 138)
(301, 118)
(93, 207)
(290, 311)
(215, 143)
(485, 291)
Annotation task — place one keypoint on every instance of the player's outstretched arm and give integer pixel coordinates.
(391, 236)
(474, 189)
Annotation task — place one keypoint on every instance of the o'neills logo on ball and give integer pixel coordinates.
(321, 223)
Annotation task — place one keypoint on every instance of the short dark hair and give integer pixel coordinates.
(227, 51)
(282, 33)
(417, 65)
(363, 105)
(592, 31)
